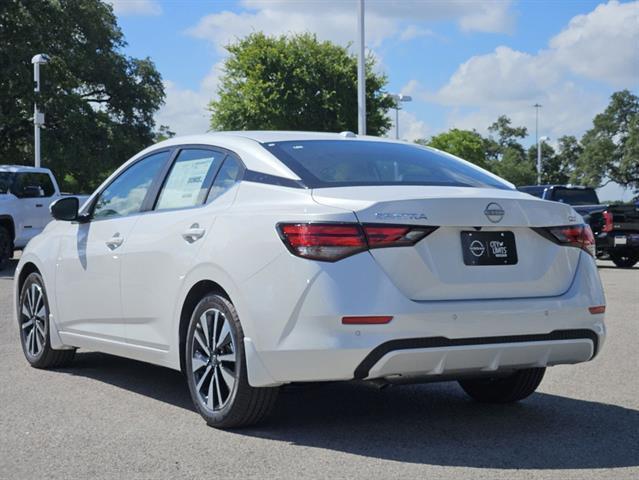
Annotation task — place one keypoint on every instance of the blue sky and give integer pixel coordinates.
(464, 62)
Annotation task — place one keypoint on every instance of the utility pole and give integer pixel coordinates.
(361, 72)
(38, 117)
(537, 107)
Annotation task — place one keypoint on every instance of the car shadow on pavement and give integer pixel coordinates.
(432, 424)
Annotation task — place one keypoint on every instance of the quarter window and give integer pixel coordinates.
(126, 194)
(228, 175)
(187, 183)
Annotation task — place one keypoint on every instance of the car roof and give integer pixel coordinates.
(22, 168)
(248, 145)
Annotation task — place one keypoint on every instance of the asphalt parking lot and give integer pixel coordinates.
(107, 417)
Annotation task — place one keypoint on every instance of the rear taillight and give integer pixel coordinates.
(579, 236)
(333, 241)
(607, 227)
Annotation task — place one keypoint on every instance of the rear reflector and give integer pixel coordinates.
(366, 320)
(333, 241)
(597, 310)
(394, 236)
(607, 221)
(579, 236)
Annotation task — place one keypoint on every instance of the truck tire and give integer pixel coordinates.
(624, 260)
(6, 247)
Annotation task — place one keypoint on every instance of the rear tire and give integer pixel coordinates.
(215, 368)
(624, 260)
(6, 247)
(33, 318)
(513, 388)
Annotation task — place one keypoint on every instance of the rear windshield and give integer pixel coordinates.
(575, 196)
(342, 163)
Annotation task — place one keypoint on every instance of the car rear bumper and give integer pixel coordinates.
(438, 339)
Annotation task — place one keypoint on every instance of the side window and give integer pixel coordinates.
(227, 177)
(125, 195)
(30, 185)
(190, 176)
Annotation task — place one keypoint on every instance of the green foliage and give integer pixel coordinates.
(553, 168)
(465, 144)
(611, 146)
(164, 132)
(296, 83)
(99, 103)
(506, 155)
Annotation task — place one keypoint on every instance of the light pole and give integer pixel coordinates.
(541, 141)
(38, 117)
(361, 72)
(537, 107)
(399, 98)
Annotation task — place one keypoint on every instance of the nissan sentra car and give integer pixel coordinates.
(252, 260)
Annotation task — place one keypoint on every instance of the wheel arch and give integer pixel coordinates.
(7, 222)
(195, 294)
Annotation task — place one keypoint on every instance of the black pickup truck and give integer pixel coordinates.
(615, 227)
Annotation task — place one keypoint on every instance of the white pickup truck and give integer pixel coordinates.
(25, 196)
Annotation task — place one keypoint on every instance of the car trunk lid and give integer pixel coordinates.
(435, 268)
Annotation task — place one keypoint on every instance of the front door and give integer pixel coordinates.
(89, 263)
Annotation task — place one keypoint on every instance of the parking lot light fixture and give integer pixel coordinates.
(398, 97)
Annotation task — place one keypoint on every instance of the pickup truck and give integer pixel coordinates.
(25, 196)
(615, 227)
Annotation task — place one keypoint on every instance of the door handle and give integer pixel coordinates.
(115, 241)
(38, 205)
(194, 233)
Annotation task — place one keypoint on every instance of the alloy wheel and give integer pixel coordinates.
(33, 320)
(213, 361)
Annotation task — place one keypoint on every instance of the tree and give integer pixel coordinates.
(99, 103)
(507, 156)
(553, 166)
(610, 147)
(296, 83)
(465, 144)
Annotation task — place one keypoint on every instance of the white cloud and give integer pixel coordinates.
(136, 7)
(336, 20)
(601, 45)
(413, 31)
(185, 110)
(491, 17)
(410, 127)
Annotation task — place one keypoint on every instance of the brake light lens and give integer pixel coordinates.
(607, 221)
(579, 236)
(329, 242)
(333, 241)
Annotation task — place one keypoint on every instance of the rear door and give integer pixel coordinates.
(164, 244)
(35, 190)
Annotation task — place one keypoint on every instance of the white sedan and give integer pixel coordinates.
(250, 260)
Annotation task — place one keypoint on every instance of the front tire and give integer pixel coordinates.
(624, 260)
(33, 317)
(513, 388)
(216, 371)
(6, 248)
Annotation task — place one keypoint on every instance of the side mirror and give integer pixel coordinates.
(31, 191)
(65, 209)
